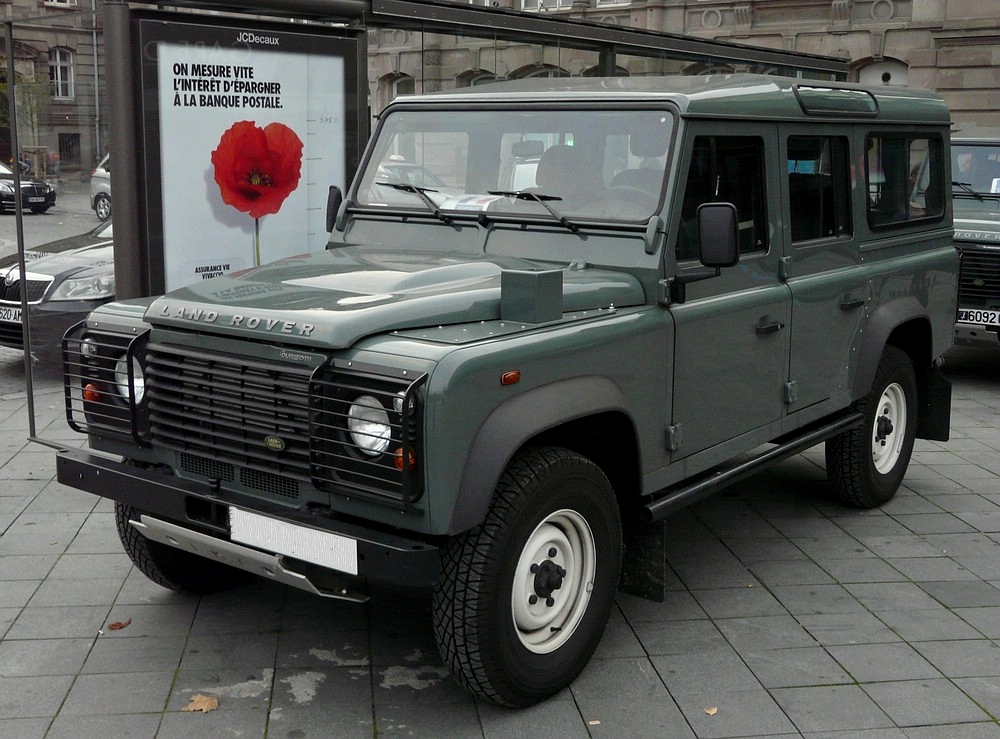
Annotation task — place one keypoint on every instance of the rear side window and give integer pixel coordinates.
(725, 169)
(905, 177)
(819, 187)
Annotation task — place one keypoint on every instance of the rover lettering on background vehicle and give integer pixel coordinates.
(975, 175)
(491, 388)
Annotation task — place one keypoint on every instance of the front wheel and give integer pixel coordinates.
(523, 598)
(866, 465)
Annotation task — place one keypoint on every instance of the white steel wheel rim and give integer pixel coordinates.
(545, 618)
(889, 428)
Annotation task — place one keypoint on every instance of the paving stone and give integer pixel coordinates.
(783, 668)
(925, 703)
(833, 707)
(719, 714)
(883, 662)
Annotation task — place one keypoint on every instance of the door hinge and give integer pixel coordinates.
(674, 437)
(791, 392)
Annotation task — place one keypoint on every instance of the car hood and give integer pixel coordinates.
(334, 298)
(80, 242)
(94, 259)
(977, 220)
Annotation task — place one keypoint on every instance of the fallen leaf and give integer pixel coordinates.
(711, 711)
(203, 703)
(594, 722)
(119, 625)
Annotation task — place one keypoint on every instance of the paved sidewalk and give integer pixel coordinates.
(787, 616)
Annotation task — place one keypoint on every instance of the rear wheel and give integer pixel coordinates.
(524, 598)
(866, 465)
(173, 568)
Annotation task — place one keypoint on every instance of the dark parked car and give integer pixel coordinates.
(65, 280)
(36, 195)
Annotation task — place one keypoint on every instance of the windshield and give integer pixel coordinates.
(567, 164)
(975, 168)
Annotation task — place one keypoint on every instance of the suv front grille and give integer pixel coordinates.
(271, 426)
(979, 280)
(249, 413)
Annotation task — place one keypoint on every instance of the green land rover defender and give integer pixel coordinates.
(550, 313)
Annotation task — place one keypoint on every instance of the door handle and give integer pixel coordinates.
(849, 303)
(762, 329)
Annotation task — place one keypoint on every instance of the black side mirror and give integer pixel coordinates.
(334, 198)
(718, 247)
(718, 234)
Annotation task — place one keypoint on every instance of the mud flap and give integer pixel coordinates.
(934, 412)
(644, 564)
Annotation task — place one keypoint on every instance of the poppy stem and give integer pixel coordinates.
(256, 242)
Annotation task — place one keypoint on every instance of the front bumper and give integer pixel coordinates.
(969, 334)
(195, 517)
(49, 321)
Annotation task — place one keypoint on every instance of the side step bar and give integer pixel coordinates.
(673, 499)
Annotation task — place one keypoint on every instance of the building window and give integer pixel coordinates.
(546, 4)
(64, 3)
(61, 72)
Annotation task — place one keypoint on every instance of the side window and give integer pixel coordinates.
(905, 179)
(819, 187)
(725, 169)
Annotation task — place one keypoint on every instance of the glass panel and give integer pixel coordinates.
(60, 128)
(583, 163)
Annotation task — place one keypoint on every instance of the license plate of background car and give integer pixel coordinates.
(10, 315)
(979, 317)
(310, 545)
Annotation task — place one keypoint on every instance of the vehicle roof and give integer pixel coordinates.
(984, 134)
(754, 96)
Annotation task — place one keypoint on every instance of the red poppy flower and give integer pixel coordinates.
(257, 168)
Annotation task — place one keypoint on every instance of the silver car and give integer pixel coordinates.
(100, 188)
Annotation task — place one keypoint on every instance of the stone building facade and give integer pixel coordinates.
(951, 46)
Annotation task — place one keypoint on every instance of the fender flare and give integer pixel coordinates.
(883, 321)
(513, 423)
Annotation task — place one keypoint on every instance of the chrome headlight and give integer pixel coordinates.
(368, 425)
(6, 187)
(138, 377)
(86, 288)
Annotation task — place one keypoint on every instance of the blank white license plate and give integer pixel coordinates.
(311, 545)
(9, 314)
(980, 317)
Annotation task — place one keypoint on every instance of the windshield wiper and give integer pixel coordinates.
(420, 192)
(544, 200)
(967, 187)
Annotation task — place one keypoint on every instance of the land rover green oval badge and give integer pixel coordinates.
(274, 443)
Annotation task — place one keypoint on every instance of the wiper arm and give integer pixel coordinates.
(544, 200)
(967, 187)
(420, 192)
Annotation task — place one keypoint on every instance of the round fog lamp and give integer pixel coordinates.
(368, 425)
(121, 379)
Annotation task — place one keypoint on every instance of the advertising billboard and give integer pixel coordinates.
(246, 127)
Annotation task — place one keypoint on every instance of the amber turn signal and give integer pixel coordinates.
(399, 460)
(510, 378)
(92, 393)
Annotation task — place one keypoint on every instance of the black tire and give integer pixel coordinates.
(173, 568)
(102, 206)
(552, 535)
(866, 465)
